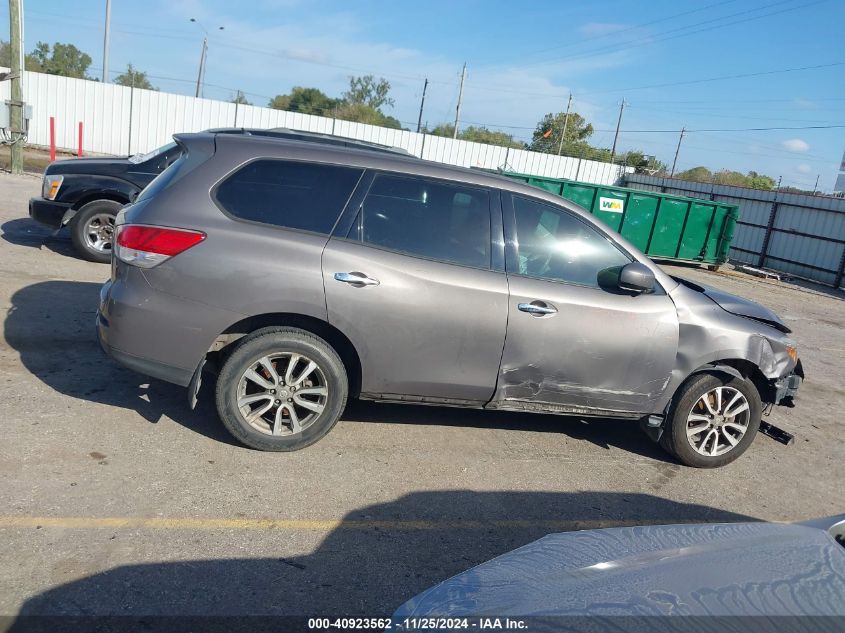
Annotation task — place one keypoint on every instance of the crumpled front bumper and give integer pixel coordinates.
(786, 388)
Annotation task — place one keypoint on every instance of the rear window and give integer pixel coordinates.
(290, 194)
(428, 218)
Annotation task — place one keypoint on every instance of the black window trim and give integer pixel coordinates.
(278, 227)
(351, 219)
(512, 246)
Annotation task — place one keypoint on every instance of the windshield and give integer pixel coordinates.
(142, 158)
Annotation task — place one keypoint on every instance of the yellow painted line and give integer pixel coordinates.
(184, 523)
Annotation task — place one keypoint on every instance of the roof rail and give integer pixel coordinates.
(312, 137)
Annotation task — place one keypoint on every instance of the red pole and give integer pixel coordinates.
(52, 138)
(79, 152)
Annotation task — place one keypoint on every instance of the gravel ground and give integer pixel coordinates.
(116, 498)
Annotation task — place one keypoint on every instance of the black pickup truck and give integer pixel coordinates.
(87, 193)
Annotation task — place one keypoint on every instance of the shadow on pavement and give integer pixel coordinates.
(51, 325)
(27, 232)
(369, 564)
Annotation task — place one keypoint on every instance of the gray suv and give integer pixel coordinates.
(301, 272)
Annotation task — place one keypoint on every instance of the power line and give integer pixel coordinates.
(615, 48)
(487, 87)
(740, 129)
(728, 116)
(729, 100)
(719, 78)
(616, 33)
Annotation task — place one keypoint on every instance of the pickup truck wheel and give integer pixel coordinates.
(281, 389)
(92, 229)
(712, 420)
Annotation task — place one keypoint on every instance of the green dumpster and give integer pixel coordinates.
(662, 226)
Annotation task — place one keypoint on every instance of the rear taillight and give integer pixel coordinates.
(148, 246)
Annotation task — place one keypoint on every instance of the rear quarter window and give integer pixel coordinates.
(289, 194)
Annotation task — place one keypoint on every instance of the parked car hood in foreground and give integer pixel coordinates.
(99, 166)
(711, 569)
(738, 305)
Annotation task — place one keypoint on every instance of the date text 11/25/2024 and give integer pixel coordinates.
(418, 624)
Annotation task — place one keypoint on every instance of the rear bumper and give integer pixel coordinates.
(143, 366)
(48, 212)
(154, 333)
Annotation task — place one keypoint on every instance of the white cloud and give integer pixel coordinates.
(269, 59)
(796, 145)
(597, 29)
(803, 168)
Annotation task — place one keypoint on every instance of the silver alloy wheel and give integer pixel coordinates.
(282, 394)
(718, 421)
(99, 230)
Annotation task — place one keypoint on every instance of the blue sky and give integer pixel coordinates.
(522, 59)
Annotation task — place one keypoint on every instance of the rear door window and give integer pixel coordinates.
(290, 194)
(428, 218)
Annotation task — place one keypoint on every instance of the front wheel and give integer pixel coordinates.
(281, 389)
(712, 420)
(92, 230)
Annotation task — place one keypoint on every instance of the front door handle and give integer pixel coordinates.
(537, 308)
(356, 279)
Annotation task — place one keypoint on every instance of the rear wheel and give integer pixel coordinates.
(92, 230)
(712, 421)
(281, 389)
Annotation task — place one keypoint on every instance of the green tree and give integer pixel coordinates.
(240, 99)
(444, 129)
(133, 77)
(369, 91)
(761, 181)
(30, 63)
(546, 137)
(478, 134)
(729, 177)
(362, 113)
(696, 174)
(305, 100)
(63, 59)
(642, 163)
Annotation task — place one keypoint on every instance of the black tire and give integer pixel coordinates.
(79, 226)
(674, 438)
(275, 341)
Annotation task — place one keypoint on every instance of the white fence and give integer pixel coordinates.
(120, 120)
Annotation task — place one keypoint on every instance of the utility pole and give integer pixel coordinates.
(616, 136)
(422, 103)
(16, 113)
(565, 122)
(106, 43)
(460, 97)
(677, 149)
(202, 64)
(816, 186)
(203, 55)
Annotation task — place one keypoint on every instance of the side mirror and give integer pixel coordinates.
(636, 277)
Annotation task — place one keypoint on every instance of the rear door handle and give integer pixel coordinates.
(356, 279)
(537, 308)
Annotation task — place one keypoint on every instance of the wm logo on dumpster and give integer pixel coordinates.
(612, 205)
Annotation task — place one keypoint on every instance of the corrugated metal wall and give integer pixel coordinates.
(798, 234)
(119, 120)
